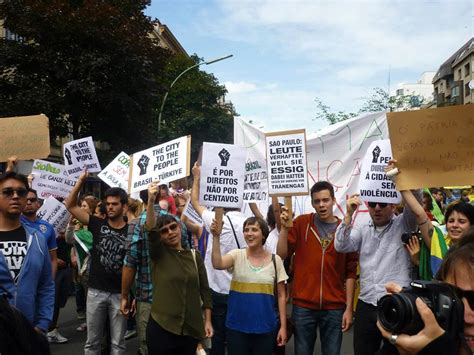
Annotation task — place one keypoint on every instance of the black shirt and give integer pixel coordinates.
(108, 252)
(13, 246)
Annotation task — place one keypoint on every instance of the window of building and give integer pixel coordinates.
(467, 89)
(459, 74)
(399, 92)
(467, 69)
(455, 91)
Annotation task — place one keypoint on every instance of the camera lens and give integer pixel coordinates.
(397, 313)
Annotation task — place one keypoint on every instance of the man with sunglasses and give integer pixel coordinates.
(382, 258)
(25, 266)
(107, 254)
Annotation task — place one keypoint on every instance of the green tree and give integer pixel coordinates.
(195, 106)
(379, 100)
(89, 65)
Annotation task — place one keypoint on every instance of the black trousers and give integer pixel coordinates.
(161, 342)
(367, 337)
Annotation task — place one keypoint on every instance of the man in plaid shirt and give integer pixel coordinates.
(136, 267)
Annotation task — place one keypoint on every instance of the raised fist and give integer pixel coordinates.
(67, 154)
(224, 155)
(375, 154)
(143, 164)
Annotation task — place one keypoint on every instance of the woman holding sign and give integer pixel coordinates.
(256, 275)
(180, 289)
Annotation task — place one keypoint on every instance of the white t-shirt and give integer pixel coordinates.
(219, 280)
(272, 241)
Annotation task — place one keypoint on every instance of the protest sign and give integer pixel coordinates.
(55, 213)
(433, 147)
(165, 162)
(27, 137)
(79, 155)
(116, 173)
(286, 163)
(191, 213)
(255, 181)
(51, 179)
(374, 184)
(222, 175)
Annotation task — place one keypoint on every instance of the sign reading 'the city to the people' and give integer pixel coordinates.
(286, 163)
(116, 173)
(79, 155)
(165, 162)
(51, 179)
(374, 184)
(222, 175)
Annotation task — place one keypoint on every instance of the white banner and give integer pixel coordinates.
(80, 154)
(334, 154)
(51, 179)
(165, 162)
(116, 173)
(222, 175)
(374, 185)
(55, 213)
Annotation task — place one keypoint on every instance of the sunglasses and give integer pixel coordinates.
(168, 229)
(374, 204)
(9, 192)
(468, 295)
(32, 200)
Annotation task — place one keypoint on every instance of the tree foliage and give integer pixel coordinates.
(89, 65)
(379, 100)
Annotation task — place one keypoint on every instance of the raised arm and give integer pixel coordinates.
(219, 262)
(424, 223)
(11, 164)
(71, 201)
(282, 246)
(347, 238)
(195, 190)
(256, 212)
(153, 189)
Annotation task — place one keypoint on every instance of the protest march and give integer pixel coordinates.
(345, 227)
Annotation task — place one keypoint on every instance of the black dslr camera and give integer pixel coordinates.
(398, 313)
(407, 236)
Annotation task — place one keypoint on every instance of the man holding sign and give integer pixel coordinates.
(324, 279)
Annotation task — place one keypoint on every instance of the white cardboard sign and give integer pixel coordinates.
(116, 173)
(165, 162)
(374, 185)
(191, 213)
(286, 163)
(255, 182)
(51, 179)
(55, 213)
(222, 175)
(79, 155)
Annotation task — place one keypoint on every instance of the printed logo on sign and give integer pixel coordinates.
(376, 154)
(67, 154)
(224, 155)
(143, 164)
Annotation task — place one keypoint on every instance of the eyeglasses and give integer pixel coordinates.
(468, 295)
(32, 200)
(374, 204)
(169, 228)
(9, 192)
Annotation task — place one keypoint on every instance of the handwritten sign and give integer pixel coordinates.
(116, 173)
(222, 175)
(165, 162)
(27, 137)
(55, 213)
(433, 147)
(191, 213)
(255, 183)
(374, 185)
(286, 163)
(51, 179)
(80, 154)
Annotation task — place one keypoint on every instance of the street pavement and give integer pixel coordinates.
(68, 323)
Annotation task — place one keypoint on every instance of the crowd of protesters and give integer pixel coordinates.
(224, 286)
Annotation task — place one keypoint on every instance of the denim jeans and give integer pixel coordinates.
(99, 304)
(143, 314)
(219, 314)
(306, 323)
(250, 344)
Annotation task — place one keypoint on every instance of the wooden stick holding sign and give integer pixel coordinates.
(286, 165)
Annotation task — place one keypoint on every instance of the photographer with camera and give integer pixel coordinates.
(433, 317)
(383, 258)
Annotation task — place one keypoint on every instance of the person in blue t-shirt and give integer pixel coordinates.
(29, 218)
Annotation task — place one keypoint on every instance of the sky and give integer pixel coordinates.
(287, 53)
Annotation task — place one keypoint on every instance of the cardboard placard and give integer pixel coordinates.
(222, 175)
(117, 172)
(374, 184)
(191, 213)
(255, 182)
(433, 147)
(80, 154)
(55, 213)
(27, 137)
(165, 162)
(51, 179)
(286, 163)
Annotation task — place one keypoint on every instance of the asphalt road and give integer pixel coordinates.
(68, 323)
